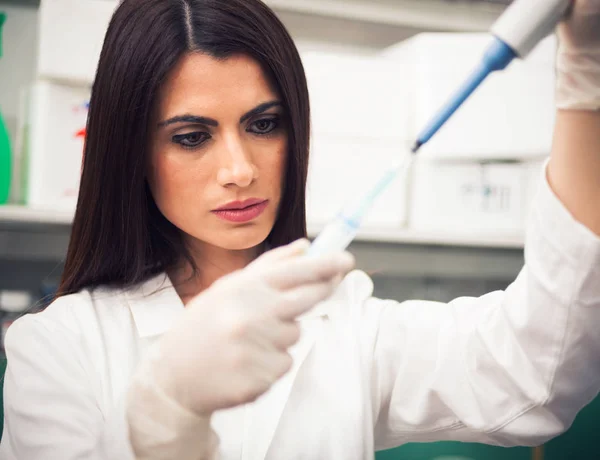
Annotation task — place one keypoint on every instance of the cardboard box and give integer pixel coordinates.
(470, 197)
(71, 34)
(359, 129)
(356, 96)
(510, 116)
(58, 117)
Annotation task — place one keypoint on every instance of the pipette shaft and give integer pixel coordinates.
(518, 30)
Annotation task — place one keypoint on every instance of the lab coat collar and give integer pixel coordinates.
(264, 415)
(154, 305)
(267, 411)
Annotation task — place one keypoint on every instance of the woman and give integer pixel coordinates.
(195, 164)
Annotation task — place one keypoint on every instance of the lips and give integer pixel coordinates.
(241, 211)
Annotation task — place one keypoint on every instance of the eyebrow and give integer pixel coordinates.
(260, 109)
(187, 118)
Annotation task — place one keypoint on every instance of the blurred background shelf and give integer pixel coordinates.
(434, 14)
(24, 216)
(376, 24)
(371, 24)
(27, 3)
(426, 14)
(30, 235)
(410, 236)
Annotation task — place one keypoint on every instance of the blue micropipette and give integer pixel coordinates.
(497, 57)
(340, 232)
(520, 28)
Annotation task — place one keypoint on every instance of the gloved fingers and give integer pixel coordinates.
(285, 334)
(293, 249)
(578, 83)
(263, 369)
(587, 6)
(272, 365)
(580, 30)
(274, 334)
(269, 333)
(306, 270)
(298, 301)
(578, 58)
(283, 363)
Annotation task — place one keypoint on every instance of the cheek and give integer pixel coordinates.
(174, 184)
(273, 166)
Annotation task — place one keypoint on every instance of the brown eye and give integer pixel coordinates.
(264, 125)
(191, 140)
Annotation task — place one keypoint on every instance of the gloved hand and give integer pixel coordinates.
(230, 345)
(578, 60)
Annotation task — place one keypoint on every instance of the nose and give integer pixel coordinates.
(237, 167)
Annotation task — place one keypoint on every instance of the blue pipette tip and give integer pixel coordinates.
(417, 145)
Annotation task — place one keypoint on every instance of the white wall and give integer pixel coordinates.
(17, 65)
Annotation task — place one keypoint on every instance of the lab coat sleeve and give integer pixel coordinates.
(510, 368)
(159, 428)
(51, 411)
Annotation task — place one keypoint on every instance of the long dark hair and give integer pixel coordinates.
(119, 237)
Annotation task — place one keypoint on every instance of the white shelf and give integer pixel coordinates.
(427, 14)
(42, 237)
(419, 14)
(23, 215)
(416, 237)
(12, 214)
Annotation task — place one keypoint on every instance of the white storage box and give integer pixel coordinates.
(359, 127)
(342, 169)
(511, 115)
(58, 117)
(356, 95)
(471, 198)
(71, 34)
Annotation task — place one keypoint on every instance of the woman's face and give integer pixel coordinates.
(218, 151)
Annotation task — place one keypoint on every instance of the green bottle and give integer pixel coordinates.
(5, 163)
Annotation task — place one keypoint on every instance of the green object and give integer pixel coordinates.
(2, 371)
(434, 450)
(5, 157)
(579, 442)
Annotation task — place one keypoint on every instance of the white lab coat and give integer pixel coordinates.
(511, 367)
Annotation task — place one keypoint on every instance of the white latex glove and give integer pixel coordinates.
(231, 344)
(578, 60)
(228, 348)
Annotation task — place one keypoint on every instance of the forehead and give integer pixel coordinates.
(200, 82)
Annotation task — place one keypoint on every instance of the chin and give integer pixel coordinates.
(239, 239)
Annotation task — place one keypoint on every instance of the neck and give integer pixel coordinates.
(212, 263)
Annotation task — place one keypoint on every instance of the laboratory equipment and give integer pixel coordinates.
(56, 141)
(339, 233)
(518, 30)
(473, 199)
